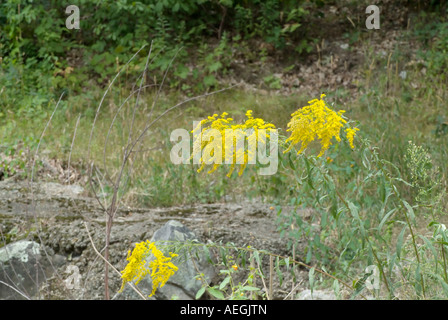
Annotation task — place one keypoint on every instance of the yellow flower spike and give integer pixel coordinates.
(351, 133)
(160, 268)
(238, 131)
(316, 121)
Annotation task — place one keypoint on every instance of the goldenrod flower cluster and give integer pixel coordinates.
(317, 121)
(351, 132)
(219, 140)
(160, 268)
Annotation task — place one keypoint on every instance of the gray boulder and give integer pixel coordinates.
(24, 267)
(183, 284)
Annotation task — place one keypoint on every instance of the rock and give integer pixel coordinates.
(53, 189)
(183, 284)
(24, 267)
(316, 295)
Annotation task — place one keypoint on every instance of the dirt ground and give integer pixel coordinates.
(61, 217)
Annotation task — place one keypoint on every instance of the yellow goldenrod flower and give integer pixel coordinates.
(160, 268)
(317, 121)
(220, 140)
(351, 132)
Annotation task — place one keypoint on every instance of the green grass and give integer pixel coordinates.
(389, 112)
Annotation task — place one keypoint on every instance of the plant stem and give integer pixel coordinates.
(381, 167)
(416, 250)
(444, 263)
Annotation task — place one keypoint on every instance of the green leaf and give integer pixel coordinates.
(182, 71)
(444, 284)
(250, 288)
(200, 293)
(290, 27)
(227, 3)
(309, 255)
(336, 287)
(355, 214)
(291, 162)
(380, 226)
(365, 160)
(209, 81)
(243, 258)
(278, 271)
(311, 278)
(418, 276)
(431, 247)
(215, 66)
(405, 182)
(207, 254)
(223, 254)
(216, 293)
(224, 283)
(400, 241)
(353, 210)
(410, 210)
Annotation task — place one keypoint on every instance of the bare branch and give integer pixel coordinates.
(109, 264)
(11, 287)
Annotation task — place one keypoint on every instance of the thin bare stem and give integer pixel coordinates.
(71, 147)
(268, 293)
(137, 99)
(444, 262)
(11, 287)
(106, 173)
(33, 203)
(271, 275)
(40, 139)
(162, 83)
(109, 264)
(104, 96)
(294, 288)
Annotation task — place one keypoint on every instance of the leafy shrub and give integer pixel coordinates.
(44, 58)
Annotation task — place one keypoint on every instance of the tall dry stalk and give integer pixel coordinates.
(134, 139)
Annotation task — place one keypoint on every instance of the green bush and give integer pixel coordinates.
(41, 57)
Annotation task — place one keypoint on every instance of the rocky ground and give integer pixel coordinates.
(60, 217)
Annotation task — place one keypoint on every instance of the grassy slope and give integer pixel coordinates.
(390, 111)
